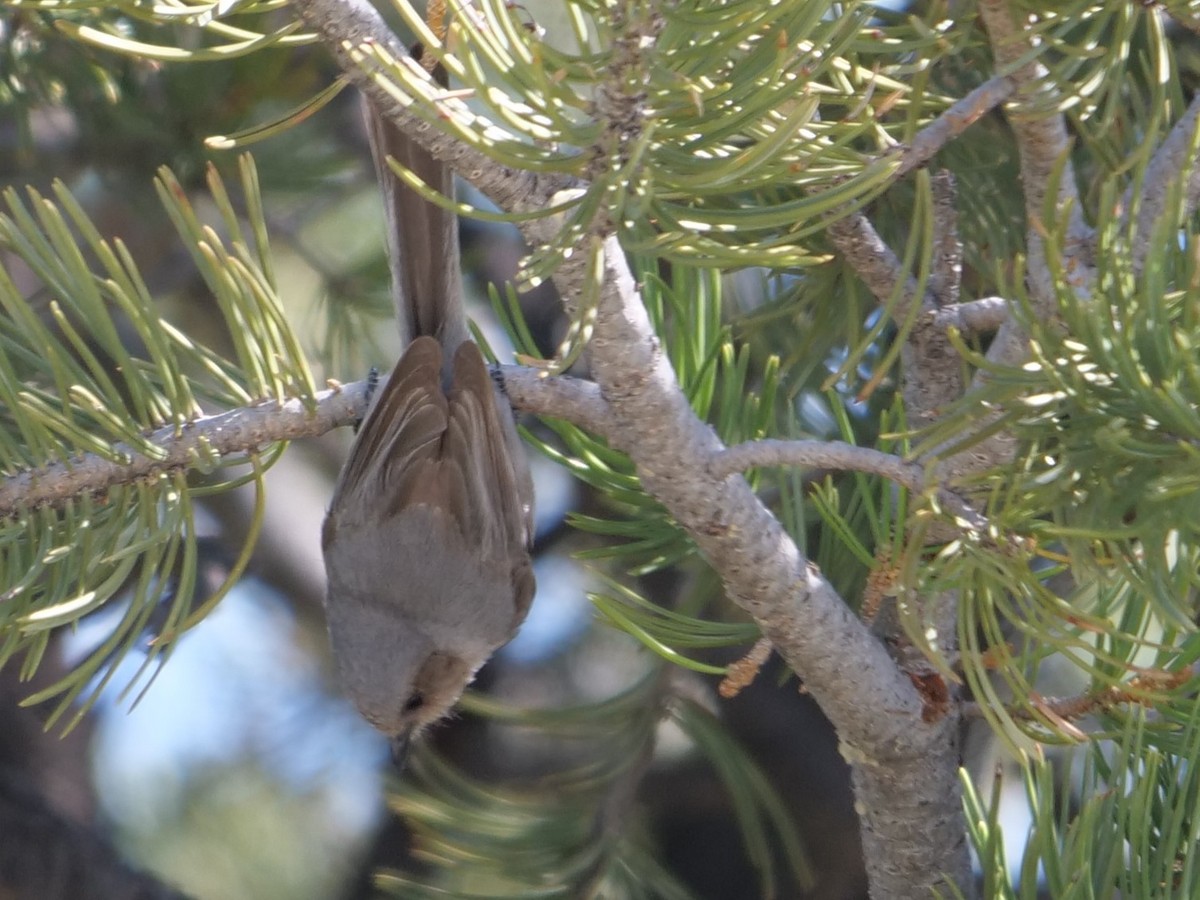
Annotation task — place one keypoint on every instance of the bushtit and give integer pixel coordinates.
(427, 538)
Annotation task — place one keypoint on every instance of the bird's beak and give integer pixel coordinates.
(400, 747)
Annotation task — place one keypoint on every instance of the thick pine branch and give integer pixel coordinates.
(903, 765)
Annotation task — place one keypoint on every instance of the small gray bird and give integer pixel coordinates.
(427, 538)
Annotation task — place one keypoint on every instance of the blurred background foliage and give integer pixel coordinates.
(589, 755)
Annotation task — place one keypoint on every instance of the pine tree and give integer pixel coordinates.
(881, 330)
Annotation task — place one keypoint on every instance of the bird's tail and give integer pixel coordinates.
(422, 239)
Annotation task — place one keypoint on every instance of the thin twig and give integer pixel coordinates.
(844, 457)
(932, 369)
(1063, 712)
(1143, 689)
(954, 121)
(857, 240)
(357, 35)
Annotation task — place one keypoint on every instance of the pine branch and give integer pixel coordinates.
(237, 431)
(945, 280)
(1044, 148)
(856, 238)
(974, 317)
(932, 371)
(1174, 158)
(557, 397)
(874, 261)
(902, 765)
(673, 450)
(961, 115)
(843, 457)
(903, 752)
(249, 429)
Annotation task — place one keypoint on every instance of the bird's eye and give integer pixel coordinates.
(414, 702)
